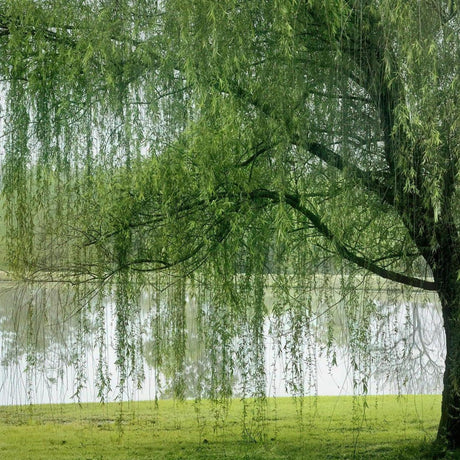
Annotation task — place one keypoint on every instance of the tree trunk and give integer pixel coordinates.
(449, 292)
(449, 425)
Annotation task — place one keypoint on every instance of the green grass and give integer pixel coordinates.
(328, 428)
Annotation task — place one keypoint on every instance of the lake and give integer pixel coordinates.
(49, 351)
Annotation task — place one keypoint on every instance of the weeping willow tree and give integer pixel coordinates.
(215, 146)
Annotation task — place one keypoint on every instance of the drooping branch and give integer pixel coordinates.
(294, 202)
(47, 32)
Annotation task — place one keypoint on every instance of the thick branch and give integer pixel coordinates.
(322, 152)
(365, 178)
(342, 250)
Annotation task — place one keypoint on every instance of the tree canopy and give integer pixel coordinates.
(231, 145)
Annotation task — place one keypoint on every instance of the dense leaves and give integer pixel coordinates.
(222, 142)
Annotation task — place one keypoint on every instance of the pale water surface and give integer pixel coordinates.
(407, 350)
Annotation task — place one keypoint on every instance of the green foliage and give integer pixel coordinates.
(156, 145)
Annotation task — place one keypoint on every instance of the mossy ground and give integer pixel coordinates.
(389, 427)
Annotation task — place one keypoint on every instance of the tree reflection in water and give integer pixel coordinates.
(50, 351)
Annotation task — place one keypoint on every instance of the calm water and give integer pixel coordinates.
(43, 366)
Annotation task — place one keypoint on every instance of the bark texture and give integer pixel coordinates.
(449, 293)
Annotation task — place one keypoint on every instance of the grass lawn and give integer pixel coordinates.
(319, 428)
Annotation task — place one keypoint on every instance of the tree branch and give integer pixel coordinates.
(260, 150)
(342, 250)
(322, 152)
(335, 160)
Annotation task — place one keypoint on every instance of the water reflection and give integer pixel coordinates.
(51, 351)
